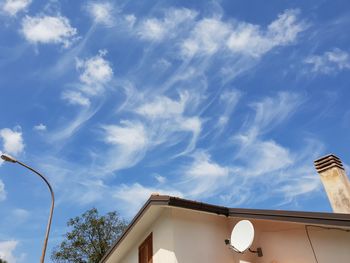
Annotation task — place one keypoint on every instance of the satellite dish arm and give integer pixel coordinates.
(258, 251)
(227, 242)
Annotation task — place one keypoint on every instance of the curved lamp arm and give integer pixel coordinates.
(12, 160)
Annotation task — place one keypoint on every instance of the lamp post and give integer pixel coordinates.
(12, 160)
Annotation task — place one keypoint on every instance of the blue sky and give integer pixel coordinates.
(226, 102)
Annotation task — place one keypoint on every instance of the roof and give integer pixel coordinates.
(312, 218)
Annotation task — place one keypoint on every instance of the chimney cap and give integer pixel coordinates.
(326, 162)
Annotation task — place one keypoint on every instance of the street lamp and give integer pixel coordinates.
(12, 160)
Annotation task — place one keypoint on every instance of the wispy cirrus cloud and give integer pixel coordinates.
(2, 190)
(72, 125)
(230, 99)
(75, 98)
(156, 122)
(269, 113)
(154, 29)
(306, 184)
(12, 7)
(207, 37)
(200, 179)
(129, 142)
(212, 34)
(265, 158)
(333, 61)
(166, 117)
(203, 177)
(251, 40)
(258, 163)
(46, 29)
(272, 111)
(95, 73)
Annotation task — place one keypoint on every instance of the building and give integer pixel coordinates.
(175, 230)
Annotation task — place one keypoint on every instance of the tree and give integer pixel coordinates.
(2, 261)
(90, 237)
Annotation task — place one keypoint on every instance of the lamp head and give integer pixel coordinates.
(8, 158)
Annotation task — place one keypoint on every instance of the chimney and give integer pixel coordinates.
(335, 182)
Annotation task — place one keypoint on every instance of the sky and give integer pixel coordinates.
(225, 102)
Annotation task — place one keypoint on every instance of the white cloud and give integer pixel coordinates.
(160, 179)
(130, 135)
(203, 176)
(194, 125)
(72, 126)
(285, 29)
(305, 184)
(329, 62)
(40, 127)
(307, 181)
(272, 111)
(12, 141)
(48, 29)
(96, 72)
(211, 35)
(163, 107)
(12, 7)
(2, 190)
(129, 142)
(207, 37)
(101, 12)
(251, 40)
(204, 167)
(229, 99)
(269, 113)
(163, 122)
(282, 172)
(167, 117)
(265, 157)
(75, 98)
(7, 250)
(269, 170)
(139, 194)
(154, 29)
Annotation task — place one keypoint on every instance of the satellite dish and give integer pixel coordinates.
(242, 236)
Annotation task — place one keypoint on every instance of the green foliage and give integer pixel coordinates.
(2, 261)
(90, 237)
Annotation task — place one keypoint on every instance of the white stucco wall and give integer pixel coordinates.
(290, 246)
(181, 236)
(185, 236)
(163, 241)
(199, 237)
